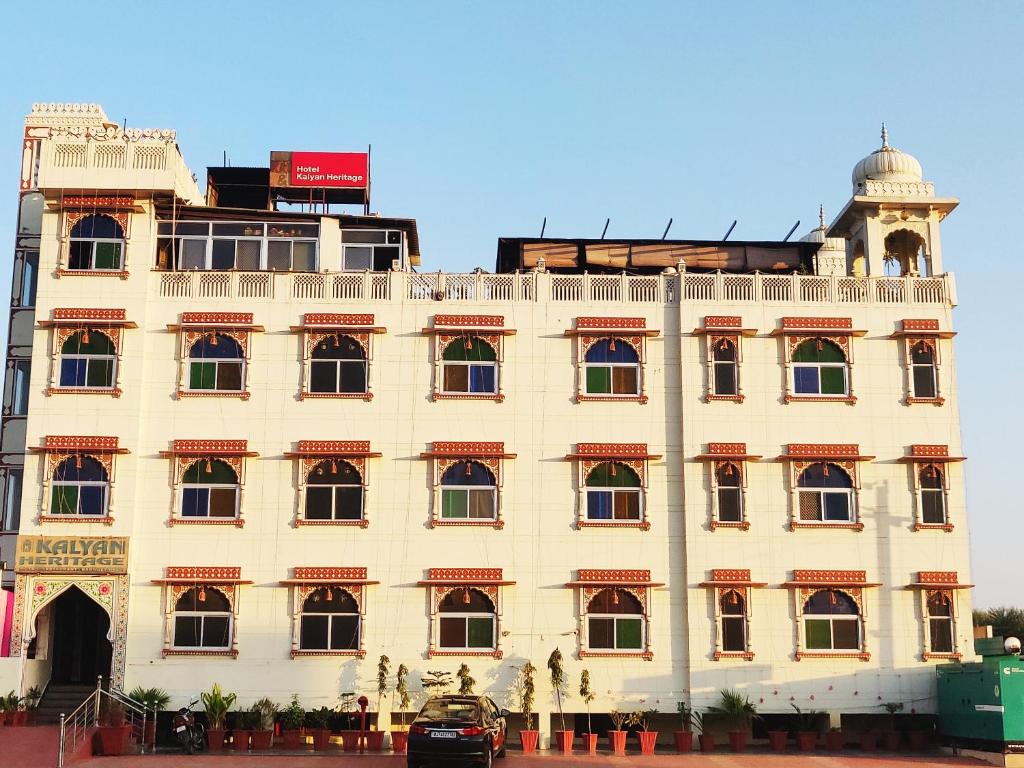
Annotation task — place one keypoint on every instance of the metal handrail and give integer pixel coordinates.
(86, 715)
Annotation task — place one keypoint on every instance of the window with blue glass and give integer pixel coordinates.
(611, 367)
(825, 494)
(209, 489)
(87, 361)
(216, 364)
(613, 493)
(80, 486)
(96, 244)
(470, 366)
(820, 368)
(468, 492)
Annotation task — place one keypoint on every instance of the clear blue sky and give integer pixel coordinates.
(485, 117)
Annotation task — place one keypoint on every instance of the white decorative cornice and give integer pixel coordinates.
(873, 188)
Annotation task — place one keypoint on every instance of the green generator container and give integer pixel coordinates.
(982, 702)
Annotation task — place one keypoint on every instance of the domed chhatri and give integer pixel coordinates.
(886, 164)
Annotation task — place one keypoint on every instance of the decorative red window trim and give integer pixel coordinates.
(108, 202)
(194, 393)
(216, 318)
(337, 320)
(920, 325)
(850, 399)
(642, 399)
(109, 391)
(498, 398)
(947, 527)
(299, 654)
(831, 324)
(338, 574)
(496, 654)
(723, 321)
(235, 521)
(629, 576)
(744, 655)
(465, 321)
(860, 655)
(302, 522)
(73, 315)
(608, 323)
(209, 448)
(612, 451)
(463, 448)
(198, 573)
(927, 655)
(825, 578)
(725, 398)
(742, 526)
(795, 524)
(367, 396)
(737, 451)
(643, 525)
(123, 274)
(496, 524)
(730, 574)
(937, 454)
(91, 443)
(334, 448)
(232, 653)
(464, 575)
(645, 655)
(822, 451)
(938, 580)
(924, 400)
(104, 520)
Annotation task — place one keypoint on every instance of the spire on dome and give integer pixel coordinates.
(885, 137)
(821, 215)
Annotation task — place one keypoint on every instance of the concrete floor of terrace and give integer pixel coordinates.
(542, 760)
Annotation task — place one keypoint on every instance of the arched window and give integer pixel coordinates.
(940, 623)
(468, 492)
(730, 494)
(216, 364)
(933, 495)
(467, 620)
(612, 367)
(831, 622)
(87, 360)
(334, 491)
(825, 494)
(819, 368)
(202, 619)
(726, 372)
(613, 493)
(922, 366)
(615, 621)
(733, 610)
(80, 487)
(329, 621)
(209, 488)
(470, 365)
(97, 243)
(338, 366)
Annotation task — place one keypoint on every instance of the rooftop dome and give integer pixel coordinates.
(886, 164)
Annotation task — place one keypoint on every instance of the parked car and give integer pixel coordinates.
(457, 729)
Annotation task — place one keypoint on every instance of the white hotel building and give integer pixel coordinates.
(688, 465)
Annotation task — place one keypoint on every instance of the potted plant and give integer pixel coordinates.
(558, 686)
(217, 704)
(683, 738)
(13, 707)
(705, 739)
(292, 718)
(317, 720)
(892, 736)
(375, 736)
(153, 700)
(350, 734)
(617, 736)
(32, 699)
(918, 738)
(642, 719)
(113, 734)
(806, 728)
(400, 738)
(525, 688)
(265, 712)
(243, 724)
(738, 711)
(834, 739)
(777, 740)
(588, 695)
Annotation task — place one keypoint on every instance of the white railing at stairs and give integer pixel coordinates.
(77, 727)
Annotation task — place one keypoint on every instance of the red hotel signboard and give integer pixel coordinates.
(319, 169)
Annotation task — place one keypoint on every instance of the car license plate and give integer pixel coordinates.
(443, 734)
(179, 729)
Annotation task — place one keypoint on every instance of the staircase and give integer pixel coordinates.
(61, 699)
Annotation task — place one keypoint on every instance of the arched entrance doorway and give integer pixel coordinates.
(78, 634)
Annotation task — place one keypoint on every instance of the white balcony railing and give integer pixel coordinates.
(334, 287)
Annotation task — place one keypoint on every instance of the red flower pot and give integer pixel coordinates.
(806, 741)
(777, 740)
(528, 740)
(707, 742)
(738, 741)
(617, 742)
(374, 741)
(262, 740)
(892, 741)
(834, 741)
(918, 740)
(291, 740)
(21, 717)
(240, 740)
(869, 741)
(683, 740)
(565, 740)
(3, 718)
(400, 741)
(590, 743)
(647, 741)
(215, 739)
(321, 738)
(114, 739)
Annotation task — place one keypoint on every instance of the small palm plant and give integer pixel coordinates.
(587, 694)
(466, 681)
(153, 699)
(736, 709)
(685, 714)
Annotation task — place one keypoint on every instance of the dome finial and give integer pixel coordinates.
(821, 215)
(885, 137)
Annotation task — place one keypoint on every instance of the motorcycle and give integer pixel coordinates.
(191, 735)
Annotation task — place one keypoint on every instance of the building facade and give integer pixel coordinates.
(255, 447)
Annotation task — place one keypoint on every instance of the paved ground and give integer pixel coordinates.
(666, 760)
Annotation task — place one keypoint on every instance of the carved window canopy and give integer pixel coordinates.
(611, 326)
(816, 452)
(825, 579)
(724, 324)
(329, 448)
(88, 318)
(475, 325)
(938, 580)
(466, 450)
(930, 454)
(609, 577)
(204, 448)
(918, 328)
(727, 452)
(341, 576)
(70, 444)
(216, 321)
(195, 575)
(611, 452)
(726, 578)
(473, 577)
(96, 203)
(817, 326)
(334, 321)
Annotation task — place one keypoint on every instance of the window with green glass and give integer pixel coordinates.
(466, 620)
(87, 361)
(469, 365)
(468, 492)
(831, 622)
(615, 621)
(216, 363)
(820, 368)
(612, 367)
